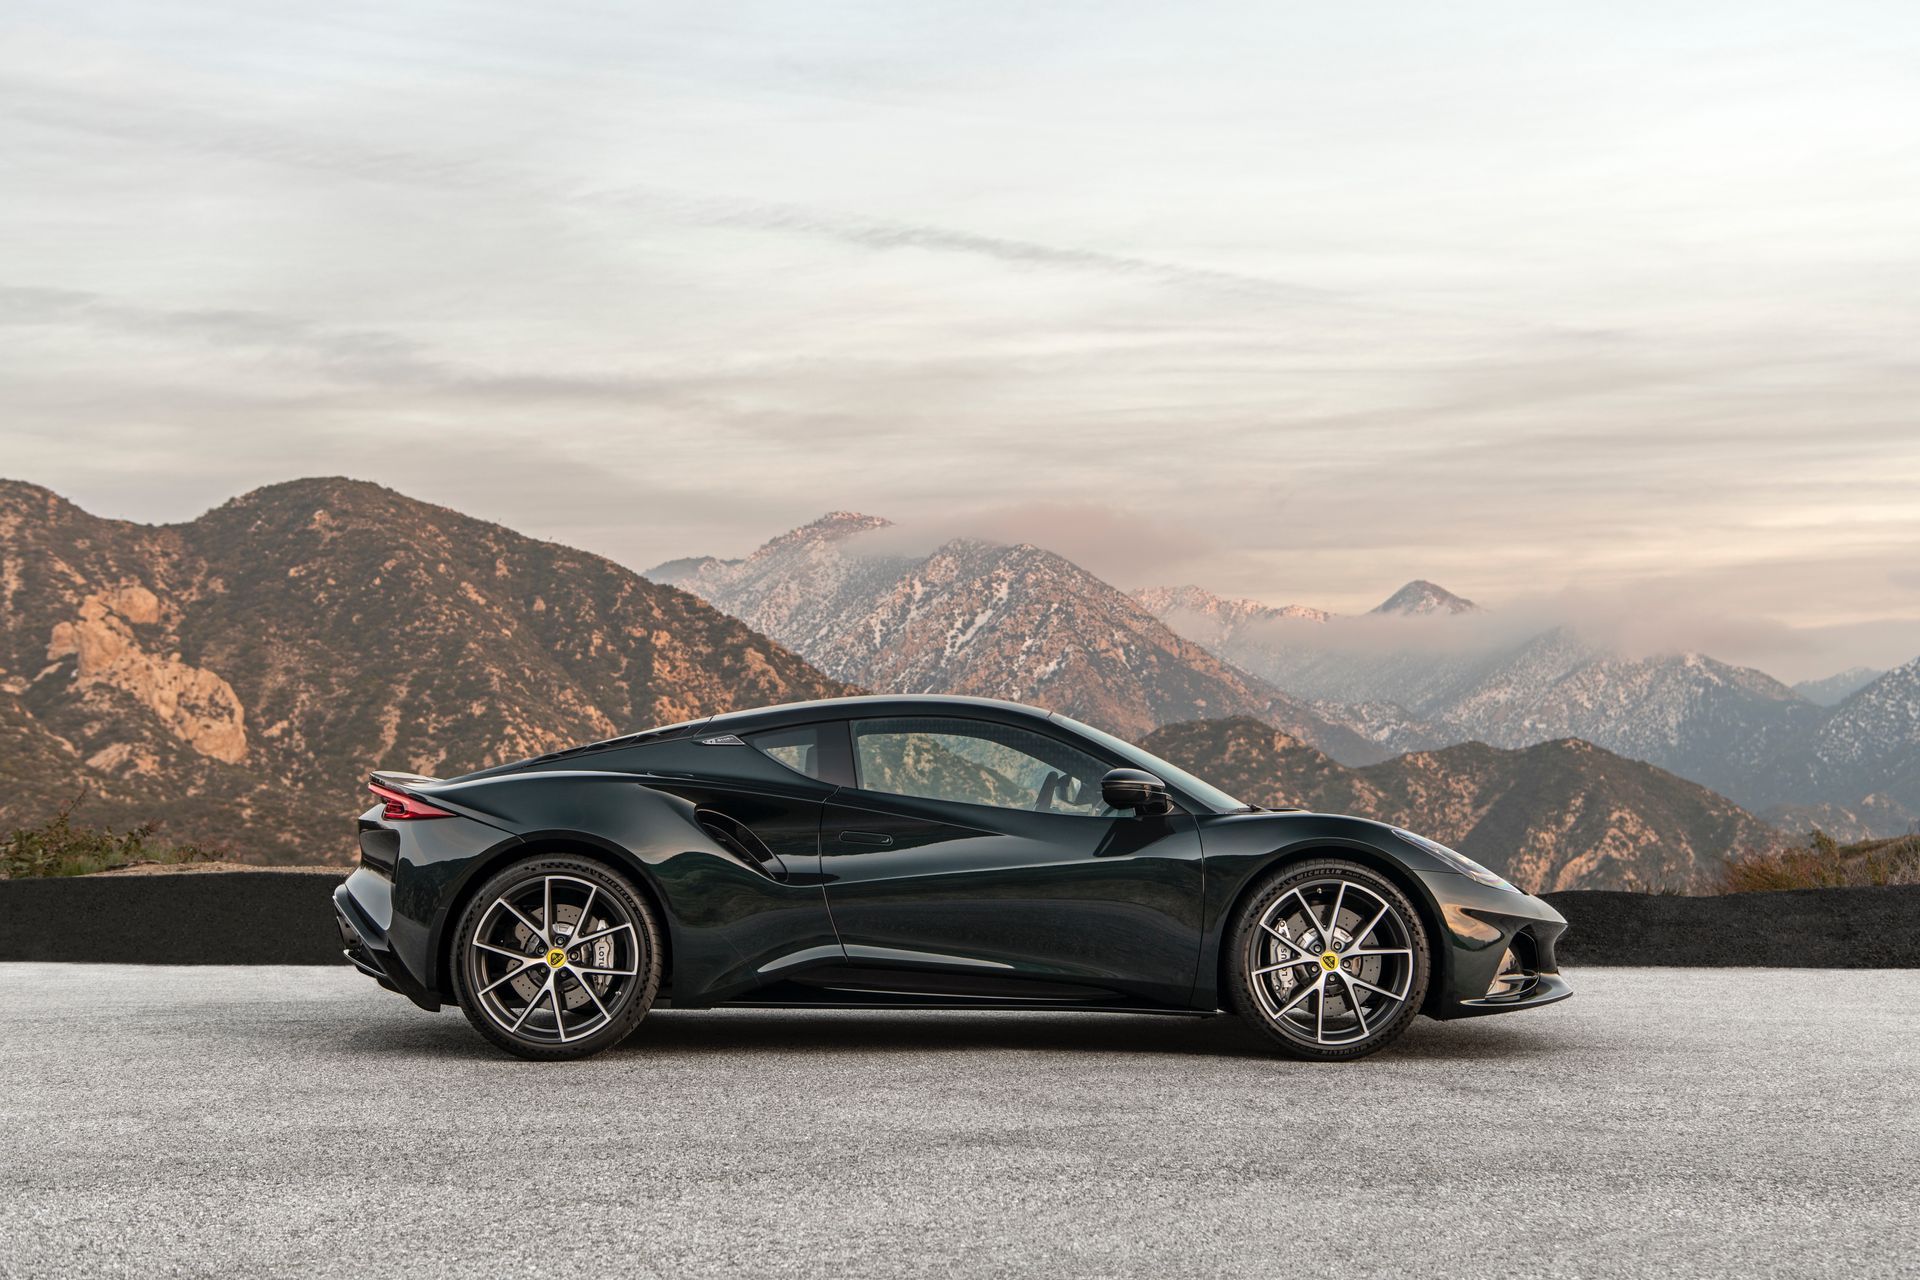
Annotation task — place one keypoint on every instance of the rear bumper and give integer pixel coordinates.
(364, 940)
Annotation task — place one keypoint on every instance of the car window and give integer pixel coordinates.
(977, 762)
(798, 749)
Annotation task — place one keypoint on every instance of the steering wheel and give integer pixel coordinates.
(1047, 789)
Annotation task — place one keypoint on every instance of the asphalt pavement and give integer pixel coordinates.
(251, 1121)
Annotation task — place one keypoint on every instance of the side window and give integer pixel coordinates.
(977, 762)
(798, 749)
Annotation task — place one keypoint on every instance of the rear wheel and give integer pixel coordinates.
(556, 957)
(1330, 960)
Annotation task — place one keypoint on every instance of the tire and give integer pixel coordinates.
(1369, 985)
(549, 1002)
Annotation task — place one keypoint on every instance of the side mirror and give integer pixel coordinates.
(1135, 789)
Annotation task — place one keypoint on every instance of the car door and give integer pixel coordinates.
(975, 858)
(757, 795)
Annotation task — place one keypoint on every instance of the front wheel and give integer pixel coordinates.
(556, 957)
(1330, 960)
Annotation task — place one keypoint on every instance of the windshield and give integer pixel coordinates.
(1202, 792)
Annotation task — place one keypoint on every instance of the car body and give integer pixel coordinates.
(906, 852)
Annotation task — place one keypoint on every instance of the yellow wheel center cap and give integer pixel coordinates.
(1329, 961)
(557, 958)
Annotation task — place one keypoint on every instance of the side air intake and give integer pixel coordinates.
(739, 840)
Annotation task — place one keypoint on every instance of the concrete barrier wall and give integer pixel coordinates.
(235, 917)
(286, 917)
(1800, 928)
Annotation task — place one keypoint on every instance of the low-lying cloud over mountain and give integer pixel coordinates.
(870, 604)
(1442, 676)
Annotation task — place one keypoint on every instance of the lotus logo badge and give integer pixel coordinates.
(557, 958)
(1329, 961)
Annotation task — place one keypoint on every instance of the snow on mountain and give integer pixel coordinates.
(1718, 724)
(992, 620)
(1420, 597)
(1456, 678)
(1873, 738)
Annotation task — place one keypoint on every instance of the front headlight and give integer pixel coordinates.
(1458, 861)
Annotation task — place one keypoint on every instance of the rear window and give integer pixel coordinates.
(798, 749)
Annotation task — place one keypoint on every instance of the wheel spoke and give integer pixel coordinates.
(546, 907)
(1380, 951)
(1320, 1015)
(587, 987)
(1362, 982)
(524, 966)
(523, 918)
(1372, 924)
(530, 1004)
(499, 951)
(559, 1017)
(581, 923)
(1354, 1000)
(1312, 919)
(1333, 920)
(603, 973)
(1297, 948)
(1304, 993)
(1284, 964)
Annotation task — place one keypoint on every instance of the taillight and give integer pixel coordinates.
(402, 807)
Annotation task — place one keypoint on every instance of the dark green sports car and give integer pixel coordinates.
(915, 853)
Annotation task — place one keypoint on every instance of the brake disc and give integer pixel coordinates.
(527, 985)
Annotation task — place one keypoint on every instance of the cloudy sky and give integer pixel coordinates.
(1609, 303)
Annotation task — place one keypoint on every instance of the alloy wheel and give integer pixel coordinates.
(1331, 962)
(554, 959)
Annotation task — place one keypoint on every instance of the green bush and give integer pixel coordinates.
(58, 847)
(1824, 863)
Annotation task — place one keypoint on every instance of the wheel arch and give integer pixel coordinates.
(1280, 861)
(574, 844)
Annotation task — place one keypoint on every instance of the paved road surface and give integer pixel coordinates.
(254, 1121)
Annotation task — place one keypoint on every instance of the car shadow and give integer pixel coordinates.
(736, 1033)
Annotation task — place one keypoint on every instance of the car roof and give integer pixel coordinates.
(872, 705)
(755, 719)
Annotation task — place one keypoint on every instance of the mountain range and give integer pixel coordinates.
(1555, 815)
(1853, 767)
(237, 675)
(988, 619)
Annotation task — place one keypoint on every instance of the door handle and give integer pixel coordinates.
(878, 839)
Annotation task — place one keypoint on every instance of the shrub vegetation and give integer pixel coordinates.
(1824, 863)
(61, 847)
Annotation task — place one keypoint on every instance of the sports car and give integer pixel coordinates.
(915, 853)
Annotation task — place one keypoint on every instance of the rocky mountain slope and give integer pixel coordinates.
(1556, 815)
(1871, 743)
(237, 675)
(1004, 621)
(1734, 729)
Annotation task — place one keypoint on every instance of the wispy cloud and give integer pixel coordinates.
(1247, 296)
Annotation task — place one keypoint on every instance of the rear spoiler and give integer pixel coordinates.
(401, 781)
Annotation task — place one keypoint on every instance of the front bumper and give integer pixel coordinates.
(1541, 988)
(1482, 925)
(360, 903)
